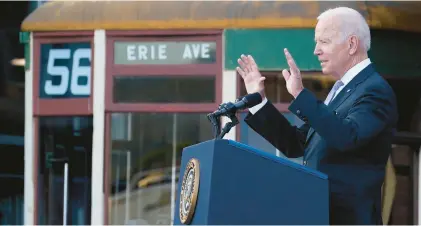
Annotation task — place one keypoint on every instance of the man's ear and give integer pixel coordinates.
(353, 43)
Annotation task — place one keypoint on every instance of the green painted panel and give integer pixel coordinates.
(396, 53)
(24, 39)
(266, 46)
(34, 4)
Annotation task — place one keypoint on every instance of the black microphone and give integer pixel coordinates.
(247, 101)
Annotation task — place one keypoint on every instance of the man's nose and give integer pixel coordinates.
(316, 51)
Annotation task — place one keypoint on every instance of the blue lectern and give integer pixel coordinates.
(226, 182)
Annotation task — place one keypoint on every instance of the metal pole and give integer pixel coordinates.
(128, 171)
(174, 167)
(418, 181)
(117, 190)
(66, 173)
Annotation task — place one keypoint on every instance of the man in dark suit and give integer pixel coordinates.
(348, 136)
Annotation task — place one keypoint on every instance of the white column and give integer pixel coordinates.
(97, 201)
(229, 94)
(29, 185)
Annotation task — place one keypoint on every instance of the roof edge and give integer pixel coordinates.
(268, 23)
(379, 17)
(295, 22)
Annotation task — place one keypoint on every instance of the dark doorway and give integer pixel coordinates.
(65, 166)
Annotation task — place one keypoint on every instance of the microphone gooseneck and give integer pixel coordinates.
(247, 101)
(230, 109)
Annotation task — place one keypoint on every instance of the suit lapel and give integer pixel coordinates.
(345, 93)
(341, 97)
(350, 87)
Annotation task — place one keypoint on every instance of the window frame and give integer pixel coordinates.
(112, 71)
(60, 106)
(54, 107)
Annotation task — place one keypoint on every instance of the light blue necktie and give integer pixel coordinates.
(332, 92)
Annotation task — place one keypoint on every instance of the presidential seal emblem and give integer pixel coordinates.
(189, 191)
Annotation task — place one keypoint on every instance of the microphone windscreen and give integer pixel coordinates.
(252, 99)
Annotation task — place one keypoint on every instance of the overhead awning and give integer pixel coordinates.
(131, 15)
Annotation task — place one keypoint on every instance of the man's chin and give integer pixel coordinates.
(326, 71)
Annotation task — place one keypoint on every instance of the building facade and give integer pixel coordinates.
(115, 90)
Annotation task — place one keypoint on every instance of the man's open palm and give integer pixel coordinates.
(293, 79)
(253, 80)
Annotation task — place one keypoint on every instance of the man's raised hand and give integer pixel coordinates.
(253, 80)
(292, 78)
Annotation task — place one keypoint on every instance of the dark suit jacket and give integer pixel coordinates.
(349, 140)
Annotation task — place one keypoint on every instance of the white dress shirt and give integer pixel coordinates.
(349, 75)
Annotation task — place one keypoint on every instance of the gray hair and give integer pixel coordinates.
(352, 23)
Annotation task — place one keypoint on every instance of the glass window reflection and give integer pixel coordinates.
(149, 89)
(145, 159)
